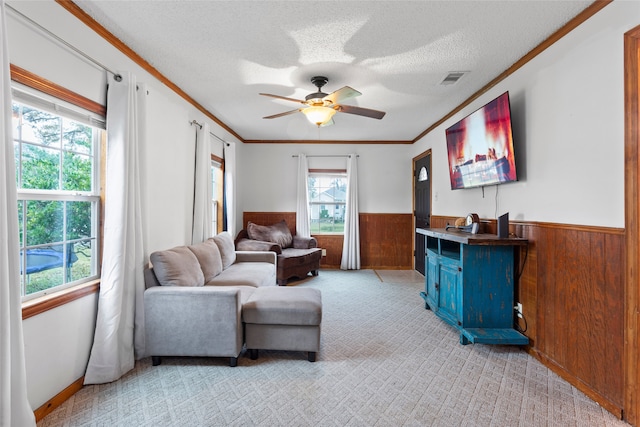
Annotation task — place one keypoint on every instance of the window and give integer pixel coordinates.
(423, 175)
(327, 201)
(56, 160)
(217, 189)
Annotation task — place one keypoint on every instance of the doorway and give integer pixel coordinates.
(421, 205)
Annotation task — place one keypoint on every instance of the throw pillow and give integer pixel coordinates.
(278, 233)
(209, 257)
(177, 267)
(227, 248)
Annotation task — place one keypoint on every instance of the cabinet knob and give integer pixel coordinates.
(437, 286)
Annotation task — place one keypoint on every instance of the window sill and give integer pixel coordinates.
(45, 303)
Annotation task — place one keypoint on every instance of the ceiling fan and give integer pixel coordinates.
(320, 107)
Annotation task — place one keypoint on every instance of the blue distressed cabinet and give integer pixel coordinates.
(469, 283)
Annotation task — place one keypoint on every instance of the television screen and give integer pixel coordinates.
(480, 147)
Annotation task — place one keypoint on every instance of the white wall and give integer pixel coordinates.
(31, 49)
(568, 119)
(57, 345)
(267, 175)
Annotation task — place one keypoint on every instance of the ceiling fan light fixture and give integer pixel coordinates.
(318, 115)
(321, 107)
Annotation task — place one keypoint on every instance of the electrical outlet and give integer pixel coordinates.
(324, 252)
(518, 308)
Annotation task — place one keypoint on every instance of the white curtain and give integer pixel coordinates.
(230, 186)
(351, 246)
(201, 229)
(119, 334)
(303, 227)
(14, 406)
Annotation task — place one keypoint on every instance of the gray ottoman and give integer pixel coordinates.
(283, 318)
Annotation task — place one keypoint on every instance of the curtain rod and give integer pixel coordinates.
(328, 155)
(48, 33)
(193, 122)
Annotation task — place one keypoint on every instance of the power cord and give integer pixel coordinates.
(524, 262)
(516, 325)
(524, 319)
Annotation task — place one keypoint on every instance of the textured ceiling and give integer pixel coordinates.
(223, 53)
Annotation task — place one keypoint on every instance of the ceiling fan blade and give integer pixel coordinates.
(342, 94)
(367, 112)
(329, 123)
(283, 97)
(286, 113)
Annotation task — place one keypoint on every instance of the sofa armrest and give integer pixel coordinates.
(193, 321)
(257, 245)
(256, 256)
(300, 242)
(242, 235)
(150, 279)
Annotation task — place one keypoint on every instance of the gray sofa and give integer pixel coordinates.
(194, 295)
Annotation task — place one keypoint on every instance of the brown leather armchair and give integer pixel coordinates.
(296, 256)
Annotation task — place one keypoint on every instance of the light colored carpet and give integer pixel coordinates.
(384, 361)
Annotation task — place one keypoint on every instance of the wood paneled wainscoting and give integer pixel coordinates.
(571, 288)
(386, 240)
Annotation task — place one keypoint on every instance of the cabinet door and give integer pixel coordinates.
(450, 301)
(431, 281)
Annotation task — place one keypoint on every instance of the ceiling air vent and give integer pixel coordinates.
(452, 77)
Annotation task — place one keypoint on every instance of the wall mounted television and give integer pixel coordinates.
(480, 147)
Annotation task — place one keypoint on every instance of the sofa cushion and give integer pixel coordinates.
(278, 233)
(283, 306)
(255, 274)
(177, 267)
(294, 257)
(209, 258)
(227, 248)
